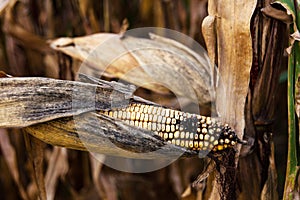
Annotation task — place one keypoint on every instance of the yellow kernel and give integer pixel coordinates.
(182, 143)
(220, 147)
(200, 144)
(110, 114)
(216, 142)
(191, 144)
(195, 144)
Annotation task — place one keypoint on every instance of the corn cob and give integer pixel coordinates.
(194, 132)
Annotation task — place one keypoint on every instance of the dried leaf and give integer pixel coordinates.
(104, 54)
(10, 157)
(58, 167)
(96, 165)
(277, 14)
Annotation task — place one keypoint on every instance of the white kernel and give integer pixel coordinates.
(150, 109)
(145, 125)
(124, 115)
(171, 113)
(149, 125)
(137, 116)
(201, 136)
(163, 127)
(170, 135)
(167, 128)
(206, 137)
(166, 136)
(159, 118)
(128, 115)
(173, 121)
(154, 118)
(136, 109)
(182, 134)
(168, 121)
(163, 121)
(116, 114)
(172, 128)
(141, 124)
(186, 144)
(120, 114)
(146, 118)
(176, 134)
(154, 126)
(133, 116)
(167, 113)
(163, 112)
(142, 117)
